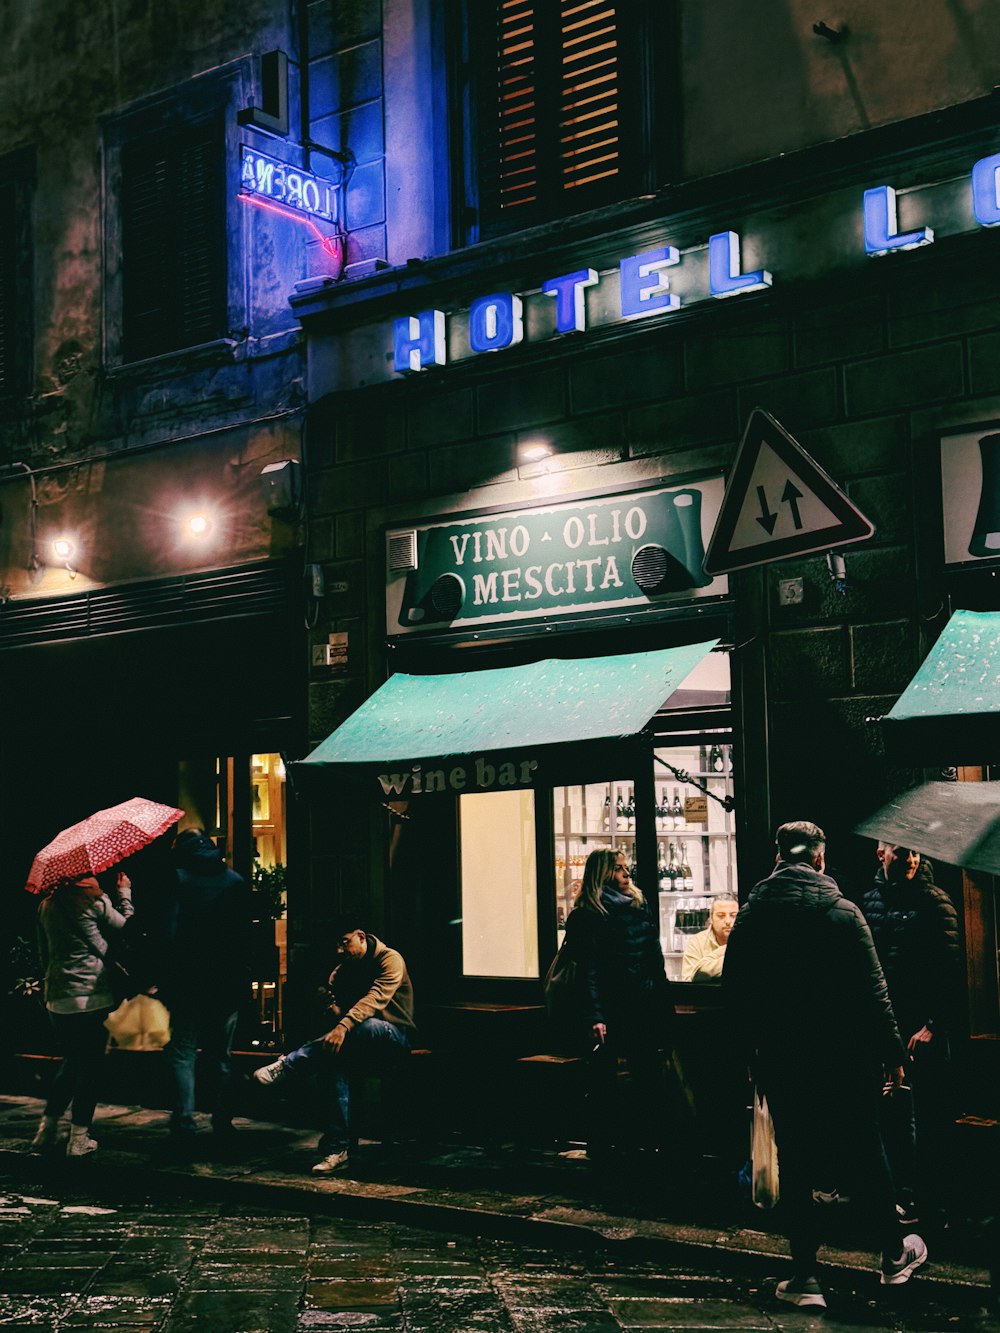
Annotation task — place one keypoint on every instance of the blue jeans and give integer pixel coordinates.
(210, 1026)
(372, 1043)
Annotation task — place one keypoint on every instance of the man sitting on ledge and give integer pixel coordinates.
(372, 1001)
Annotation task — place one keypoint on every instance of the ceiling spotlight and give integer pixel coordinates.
(533, 451)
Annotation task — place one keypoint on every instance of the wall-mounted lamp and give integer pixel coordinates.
(196, 523)
(280, 483)
(64, 549)
(833, 32)
(533, 451)
(837, 566)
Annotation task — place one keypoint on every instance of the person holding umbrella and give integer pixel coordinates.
(77, 923)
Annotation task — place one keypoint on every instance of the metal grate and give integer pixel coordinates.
(247, 590)
(401, 552)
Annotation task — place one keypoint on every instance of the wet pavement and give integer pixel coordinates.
(66, 1263)
(447, 1237)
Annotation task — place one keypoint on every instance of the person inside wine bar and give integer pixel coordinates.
(705, 953)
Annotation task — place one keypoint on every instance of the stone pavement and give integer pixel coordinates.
(155, 1267)
(542, 1199)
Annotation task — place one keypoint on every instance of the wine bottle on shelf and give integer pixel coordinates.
(619, 811)
(662, 811)
(687, 876)
(661, 869)
(677, 810)
(606, 818)
(630, 810)
(674, 869)
(716, 760)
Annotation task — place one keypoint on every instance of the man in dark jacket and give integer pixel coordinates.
(372, 1003)
(915, 929)
(203, 978)
(808, 999)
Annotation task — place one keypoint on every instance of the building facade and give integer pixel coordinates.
(489, 294)
(595, 265)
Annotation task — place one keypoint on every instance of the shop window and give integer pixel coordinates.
(696, 845)
(499, 898)
(172, 240)
(240, 801)
(560, 94)
(688, 819)
(15, 278)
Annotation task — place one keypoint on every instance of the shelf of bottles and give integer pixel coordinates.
(695, 836)
(696, 842)
(596, 814)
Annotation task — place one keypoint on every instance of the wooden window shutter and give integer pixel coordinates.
(173, 256)
(8, 292)
(590, 110)
(551, 112)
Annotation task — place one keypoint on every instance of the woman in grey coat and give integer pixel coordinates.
(77, 922)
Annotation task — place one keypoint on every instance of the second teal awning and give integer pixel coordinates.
(950, 711)
(554, 702)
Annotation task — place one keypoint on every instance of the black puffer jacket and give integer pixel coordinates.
(207, 927)
(618, 952)
(915, 928)
(802, 981)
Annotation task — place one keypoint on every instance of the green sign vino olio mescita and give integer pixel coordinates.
(631, 552)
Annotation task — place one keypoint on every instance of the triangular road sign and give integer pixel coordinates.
(779, 502)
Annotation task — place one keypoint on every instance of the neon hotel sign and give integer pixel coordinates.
(496, 321)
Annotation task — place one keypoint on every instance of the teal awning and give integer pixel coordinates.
(950, 711)
(554, 702)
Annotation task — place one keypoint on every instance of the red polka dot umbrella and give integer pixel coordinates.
(101, 840)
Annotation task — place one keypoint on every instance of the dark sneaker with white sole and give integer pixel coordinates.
(896, 1271)
(268, 1074)
(801, 1291)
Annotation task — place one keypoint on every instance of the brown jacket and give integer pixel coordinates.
(376, 986)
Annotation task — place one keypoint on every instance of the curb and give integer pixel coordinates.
(751, 1253)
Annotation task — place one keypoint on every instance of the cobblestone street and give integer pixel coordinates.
(68, 1263)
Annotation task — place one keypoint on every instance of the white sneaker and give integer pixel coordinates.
(47, 1133)
(268, 1074)
(801, 1291)
(80, 1142)
(895, 1271)
(330, 1163)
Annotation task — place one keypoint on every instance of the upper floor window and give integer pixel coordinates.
(15, 276)
(560, 99)
(173, 240)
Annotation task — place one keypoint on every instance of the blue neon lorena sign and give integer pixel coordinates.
(644, 280)
(286, 186)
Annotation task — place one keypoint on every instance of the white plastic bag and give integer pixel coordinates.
(141, 1023)
(763, 1155)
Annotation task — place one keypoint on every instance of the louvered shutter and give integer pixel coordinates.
(550, 108)
(173, 265)
(8, 291)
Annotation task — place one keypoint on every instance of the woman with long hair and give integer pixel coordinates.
(628, 1008)
(77, 922)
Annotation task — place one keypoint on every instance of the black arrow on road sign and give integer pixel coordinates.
(791, 496)
(767, 520)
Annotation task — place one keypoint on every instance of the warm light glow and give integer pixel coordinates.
(534, 451)
(64, 548)
(198, 524)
